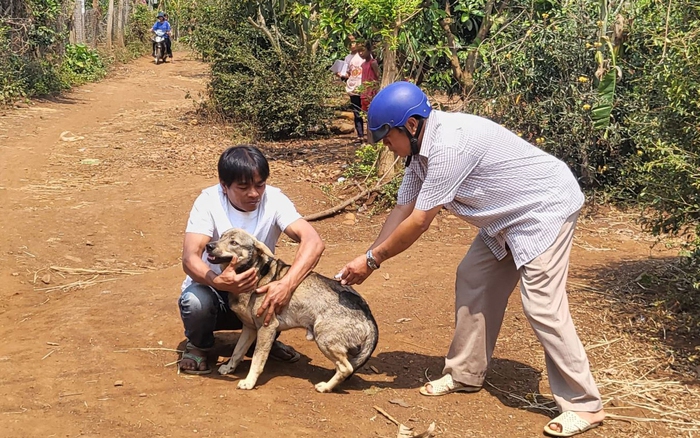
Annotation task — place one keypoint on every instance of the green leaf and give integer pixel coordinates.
(604, 103)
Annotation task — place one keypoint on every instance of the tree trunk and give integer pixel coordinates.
(389, 70)
(110, 23)
(464, 78)
(480, 36)
(386, 163)
(78, 31)
(95, 22)
(390, 73)
(120, 23)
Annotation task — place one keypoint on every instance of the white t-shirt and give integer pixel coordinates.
(354, 74)
(212, 214)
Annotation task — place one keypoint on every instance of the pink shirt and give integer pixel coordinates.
(367, 72)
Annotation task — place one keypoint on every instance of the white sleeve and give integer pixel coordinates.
(447, 169)
(410, 187)
(201, 220)
(285, 212)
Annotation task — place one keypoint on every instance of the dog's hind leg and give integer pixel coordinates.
(244, 342)
(343, 369)
(266, 337)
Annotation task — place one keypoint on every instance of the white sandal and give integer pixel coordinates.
(446, 385)
(571, 424)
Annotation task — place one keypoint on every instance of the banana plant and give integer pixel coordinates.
(608, 72)
(600, 114)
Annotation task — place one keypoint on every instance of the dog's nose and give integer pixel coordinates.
(210, 247)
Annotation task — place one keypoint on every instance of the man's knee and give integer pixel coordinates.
(198, 300)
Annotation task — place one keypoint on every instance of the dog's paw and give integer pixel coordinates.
(245, 384)
(309, 334)
(323, 387)
(225, 369)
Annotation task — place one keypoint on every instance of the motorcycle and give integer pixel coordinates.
(161, 51)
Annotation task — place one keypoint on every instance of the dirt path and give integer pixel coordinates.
(97, 359)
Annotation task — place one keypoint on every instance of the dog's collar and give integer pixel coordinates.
(263, 269)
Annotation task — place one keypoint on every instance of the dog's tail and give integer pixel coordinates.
(363, 352)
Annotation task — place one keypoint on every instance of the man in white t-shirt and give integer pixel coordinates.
(240, 200)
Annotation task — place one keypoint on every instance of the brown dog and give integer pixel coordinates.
(336, 316)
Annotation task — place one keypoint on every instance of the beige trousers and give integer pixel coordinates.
(482, 289)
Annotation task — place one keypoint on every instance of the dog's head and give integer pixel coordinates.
(238, 247)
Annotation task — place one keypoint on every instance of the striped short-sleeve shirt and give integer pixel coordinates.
(517, 194)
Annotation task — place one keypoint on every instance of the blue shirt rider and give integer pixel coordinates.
(163, 25)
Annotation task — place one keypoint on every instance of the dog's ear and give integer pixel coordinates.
(263, 249)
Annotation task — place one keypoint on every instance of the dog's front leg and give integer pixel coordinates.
(266, 337)
(244, 342)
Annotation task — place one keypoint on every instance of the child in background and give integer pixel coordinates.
(370, 76)
(353, 86)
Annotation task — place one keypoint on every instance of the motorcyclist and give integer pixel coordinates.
(163, 25)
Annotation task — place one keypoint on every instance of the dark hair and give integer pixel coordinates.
(240, 164)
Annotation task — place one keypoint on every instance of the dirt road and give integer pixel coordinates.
(96, 188)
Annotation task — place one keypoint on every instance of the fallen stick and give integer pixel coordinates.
(386, 414)
(342, 205)
(602, 344)
(149, 349)
(94, 271)
(647, 420)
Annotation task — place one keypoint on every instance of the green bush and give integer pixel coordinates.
(365, 164)
(661, 108)
(279, 96)
(275, 92)
(549, 70)
(11, 85)
(140, 23)
(41, 77)
(82, 64)
(365, 168)
(537, 77)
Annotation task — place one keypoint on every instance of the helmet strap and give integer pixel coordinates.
(413, 139)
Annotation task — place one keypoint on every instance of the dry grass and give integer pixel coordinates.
(96, 277)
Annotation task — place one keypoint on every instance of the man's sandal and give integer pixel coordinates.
(198, 363)
(446, 385)
(284, 353)
(571, 424)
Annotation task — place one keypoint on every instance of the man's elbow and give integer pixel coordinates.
(422, 223)
(319, 246)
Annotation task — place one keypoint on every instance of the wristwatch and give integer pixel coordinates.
(371, 261)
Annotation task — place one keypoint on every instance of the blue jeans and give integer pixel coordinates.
(204, 311)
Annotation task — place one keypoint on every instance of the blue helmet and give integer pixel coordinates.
(392, 107)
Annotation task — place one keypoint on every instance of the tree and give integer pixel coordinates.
(110, 23)
(120, 22)
(78, 32)
(387, 18)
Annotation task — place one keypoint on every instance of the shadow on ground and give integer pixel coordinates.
(509, 381)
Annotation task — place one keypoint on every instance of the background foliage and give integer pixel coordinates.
(610, 86)
(266, 79)
(549, 71)
(41, 55)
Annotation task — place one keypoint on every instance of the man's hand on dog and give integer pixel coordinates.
(354, 272)
(279, 293)
(229, 281)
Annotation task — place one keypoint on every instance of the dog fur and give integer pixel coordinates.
(336, 316)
